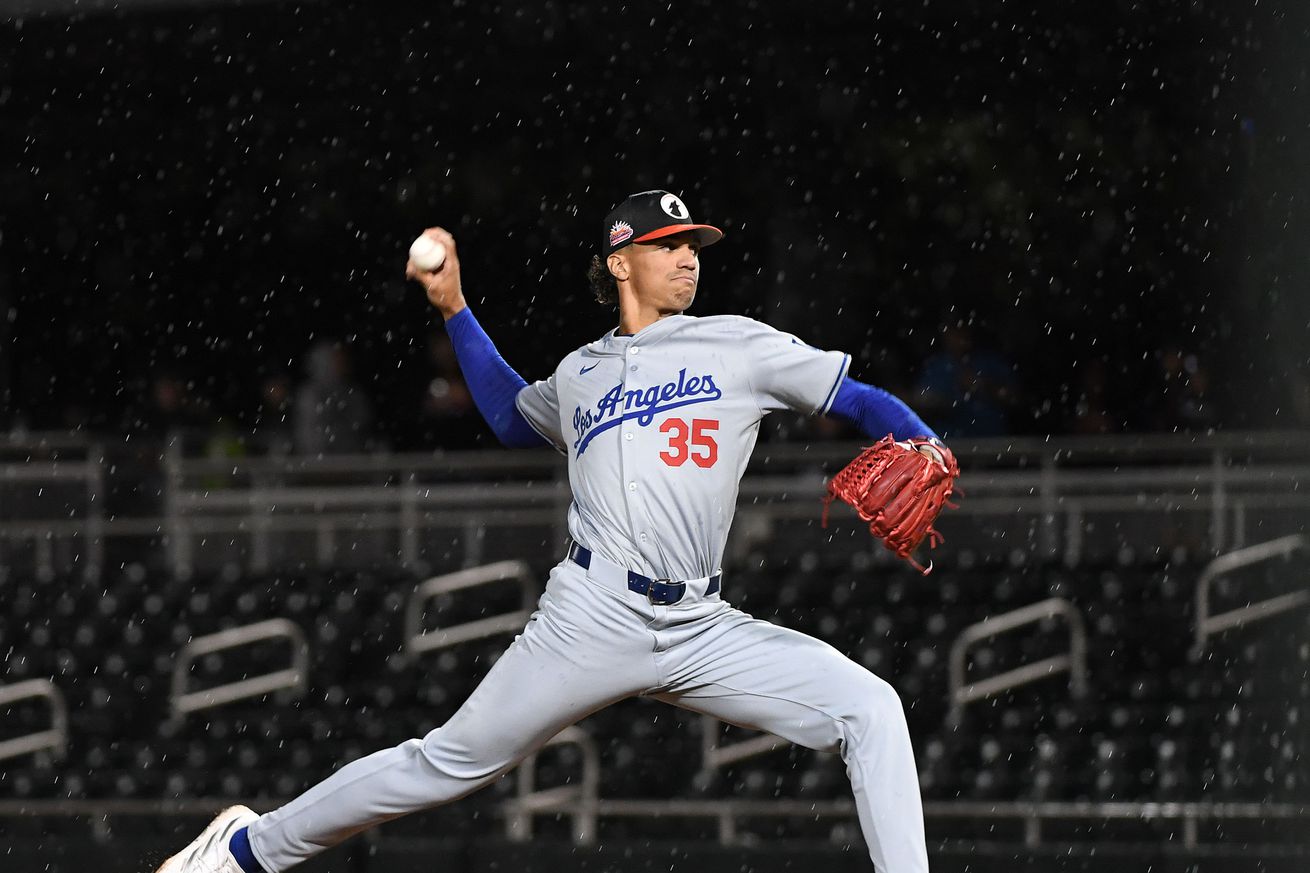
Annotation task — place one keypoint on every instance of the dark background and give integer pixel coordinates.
(1109, 199)
(1097, 190)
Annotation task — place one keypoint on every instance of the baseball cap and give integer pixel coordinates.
(651, 215)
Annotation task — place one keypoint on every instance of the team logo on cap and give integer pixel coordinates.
(674, 207)
(620, 232)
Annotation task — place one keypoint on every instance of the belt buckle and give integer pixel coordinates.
(650, 592)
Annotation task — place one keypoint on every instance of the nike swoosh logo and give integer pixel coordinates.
(588, 369)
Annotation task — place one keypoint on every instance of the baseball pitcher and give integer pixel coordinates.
(658, 418)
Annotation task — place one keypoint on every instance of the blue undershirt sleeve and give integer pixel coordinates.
(492, 382)
(876, 413)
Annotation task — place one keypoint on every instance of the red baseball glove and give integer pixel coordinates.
(898, 488)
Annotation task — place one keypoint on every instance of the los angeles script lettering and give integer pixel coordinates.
(644, 405)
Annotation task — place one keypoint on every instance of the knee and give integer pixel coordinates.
(443, 750)
(456, 754)
(445, 744)
(877, 703)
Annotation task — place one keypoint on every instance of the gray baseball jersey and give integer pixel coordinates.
(658, 428)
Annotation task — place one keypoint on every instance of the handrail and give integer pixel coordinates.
(715, 756)
(579, 799)
(1167, 480)
(295, 677)
(273, 499)
(55, 737)
(417, 640)
(728, 811)
(1074, 661)
(48, 471)
(1032, 815)
(1164, 446)
(1207, 624)
(45, 440)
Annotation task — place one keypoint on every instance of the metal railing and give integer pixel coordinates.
(715, 756)
(89, 475)
(577, 800)
(1207, 624)
(1028, 818)
(1224, 485)
(294, 678)
(730, 813)
(53, 739)
(580, 801)
(1073, 662)
(418, 640)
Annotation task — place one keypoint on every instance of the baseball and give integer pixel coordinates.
(427, 254)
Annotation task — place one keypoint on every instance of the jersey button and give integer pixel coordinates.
(627, 436)
(633, 368)
(632, 486)
(634, 350)
(643, 538)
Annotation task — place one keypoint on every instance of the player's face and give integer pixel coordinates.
(665, 272)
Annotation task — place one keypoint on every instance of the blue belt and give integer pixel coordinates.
(660, 592)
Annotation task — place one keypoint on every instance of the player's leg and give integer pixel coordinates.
(582, 650)
(756, 674)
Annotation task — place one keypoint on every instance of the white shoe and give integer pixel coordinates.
(209, 853)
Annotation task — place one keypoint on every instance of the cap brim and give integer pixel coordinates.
(706, 235)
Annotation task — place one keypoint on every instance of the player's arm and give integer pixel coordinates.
(877, 412)
(493, 383)
(785, 373)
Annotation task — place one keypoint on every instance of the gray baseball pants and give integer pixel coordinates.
(591, 643)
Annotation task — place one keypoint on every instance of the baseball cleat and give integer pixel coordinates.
(209, 852)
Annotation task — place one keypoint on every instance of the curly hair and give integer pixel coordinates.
(602, 281)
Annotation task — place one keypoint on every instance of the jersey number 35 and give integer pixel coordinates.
(701, 448)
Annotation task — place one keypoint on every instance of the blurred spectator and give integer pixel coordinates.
(1091, 413)
(223, 443)
(169, 410)
(172, 406)
(8, 413)
(448, 419)
(272, 428)
(1183, 386)
(1300, 399)
(965, 391)
(331, 415)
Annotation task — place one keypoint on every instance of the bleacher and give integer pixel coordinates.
(1081, 675)
(1160, 721)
